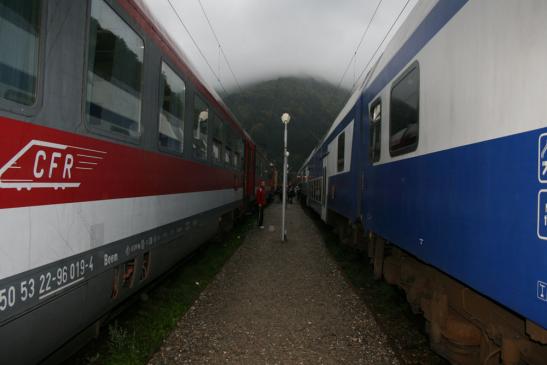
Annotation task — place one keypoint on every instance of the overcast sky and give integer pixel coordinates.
(263, 39)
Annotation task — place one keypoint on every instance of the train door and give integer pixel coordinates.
(324, 190)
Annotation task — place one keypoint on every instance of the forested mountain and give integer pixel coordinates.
(312, 104)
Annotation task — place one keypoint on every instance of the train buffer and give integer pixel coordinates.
(278, 302)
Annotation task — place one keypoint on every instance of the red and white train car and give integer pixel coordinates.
(115, 162)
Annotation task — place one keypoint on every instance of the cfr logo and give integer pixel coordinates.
(42, 164)
(42, 155)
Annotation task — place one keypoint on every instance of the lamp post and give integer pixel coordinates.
(285, 118)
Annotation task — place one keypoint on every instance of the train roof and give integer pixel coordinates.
(191, 71)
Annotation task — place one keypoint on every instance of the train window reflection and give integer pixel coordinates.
(200, 129)
(375, 131)
(231, 145)
(219, 138)
(171, 125)
(404, 113)
(217, 146)
(236, 159)
(114, 73)
(19, 41)
(228, 155)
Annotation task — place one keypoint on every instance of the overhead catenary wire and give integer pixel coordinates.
(233, 111)
(197, 47)
(220, 46)
(352, 59)
(219, 63)
(382, 42)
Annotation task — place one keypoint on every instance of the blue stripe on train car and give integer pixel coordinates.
(471, 211)
(344, 202)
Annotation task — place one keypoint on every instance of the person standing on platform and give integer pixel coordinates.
(261, 201)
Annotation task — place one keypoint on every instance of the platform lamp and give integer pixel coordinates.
(285, 118)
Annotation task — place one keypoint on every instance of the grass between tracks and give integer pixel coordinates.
(139, 331)
(405, 330)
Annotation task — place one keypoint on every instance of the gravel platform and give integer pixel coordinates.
(278, 303)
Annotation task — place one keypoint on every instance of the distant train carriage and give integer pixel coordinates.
(441, 154)
(115, 161)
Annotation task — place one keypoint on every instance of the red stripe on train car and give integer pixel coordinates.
(41, 165)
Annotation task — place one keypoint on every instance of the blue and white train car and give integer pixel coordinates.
(445, 157)
(329, 173)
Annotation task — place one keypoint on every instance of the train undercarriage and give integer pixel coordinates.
(463, 326)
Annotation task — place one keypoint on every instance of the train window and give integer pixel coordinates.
(375, 131)
(236, 159)
(217, 147)
(341, 151)
(200, 129)
(404, 112)
(227, 155)
(171, 125)
(229, 147)
(219, 131)
(241, 153)
(114, 73)
(219, 137)
(20, 42)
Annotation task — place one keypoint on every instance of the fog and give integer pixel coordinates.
(263, 39)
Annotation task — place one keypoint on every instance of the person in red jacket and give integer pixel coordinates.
(261, 201)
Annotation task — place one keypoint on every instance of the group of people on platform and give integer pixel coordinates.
(263, 197)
